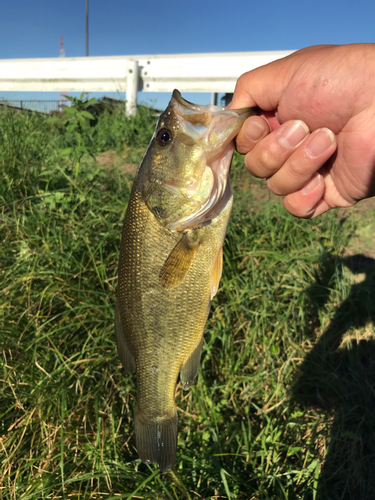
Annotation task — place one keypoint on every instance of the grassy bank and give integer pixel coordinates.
(283, 405)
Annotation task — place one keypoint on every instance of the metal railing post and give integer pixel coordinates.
(214, 96)
(131, 88)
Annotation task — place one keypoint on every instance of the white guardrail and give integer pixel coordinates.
(215, 72)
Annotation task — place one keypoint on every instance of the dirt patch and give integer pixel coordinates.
(113, 159)
(260, 192)
(129, 168)
(365, 206)
(257, 188)
(107, 159)
(363, 241)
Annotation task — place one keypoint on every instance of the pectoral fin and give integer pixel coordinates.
(216, 275)
(126, 357)
(178, 262)
(190, 368)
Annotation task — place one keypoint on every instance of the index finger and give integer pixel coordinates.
(254, 129)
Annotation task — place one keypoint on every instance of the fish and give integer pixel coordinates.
(171, 259)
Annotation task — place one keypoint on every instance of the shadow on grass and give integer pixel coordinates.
(342, 383)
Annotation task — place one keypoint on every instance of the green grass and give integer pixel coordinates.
(284, 403)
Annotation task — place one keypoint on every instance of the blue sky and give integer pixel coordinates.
(32, 28)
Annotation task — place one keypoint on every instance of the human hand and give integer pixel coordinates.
(315, 140)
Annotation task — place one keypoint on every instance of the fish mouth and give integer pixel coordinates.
(214, 127)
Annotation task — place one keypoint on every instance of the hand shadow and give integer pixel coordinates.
(342, 382)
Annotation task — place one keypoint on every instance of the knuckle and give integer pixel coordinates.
(251, 166)
(242, 81)
(267, 161)
(296, 209)
(265, 157)
(255, 164)
(297, 168)
(274, 187)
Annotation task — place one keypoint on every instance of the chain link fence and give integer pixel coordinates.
(34, 105)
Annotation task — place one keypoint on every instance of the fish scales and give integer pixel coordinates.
(167, 276)
(169, 323)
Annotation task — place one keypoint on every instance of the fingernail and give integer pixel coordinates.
(320, 142)
(312, 184)
(293, 134)
(254, 131)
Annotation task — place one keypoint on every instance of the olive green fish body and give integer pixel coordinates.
(163, 327)
(168, 273)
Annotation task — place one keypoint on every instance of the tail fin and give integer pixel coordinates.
(157, 441)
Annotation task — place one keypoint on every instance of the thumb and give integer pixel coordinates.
(263, 86)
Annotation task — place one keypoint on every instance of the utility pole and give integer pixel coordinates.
(87, 28)
(87, 36)
(63, 100)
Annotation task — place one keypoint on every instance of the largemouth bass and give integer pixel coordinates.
(171, 261)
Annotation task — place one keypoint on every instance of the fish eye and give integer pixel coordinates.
(164, 136)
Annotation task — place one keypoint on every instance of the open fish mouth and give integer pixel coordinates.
(214, 129)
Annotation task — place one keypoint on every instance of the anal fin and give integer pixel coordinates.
(126, 357)
(191, 367)
(216, 275)
(178, 262)
(156, 440)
